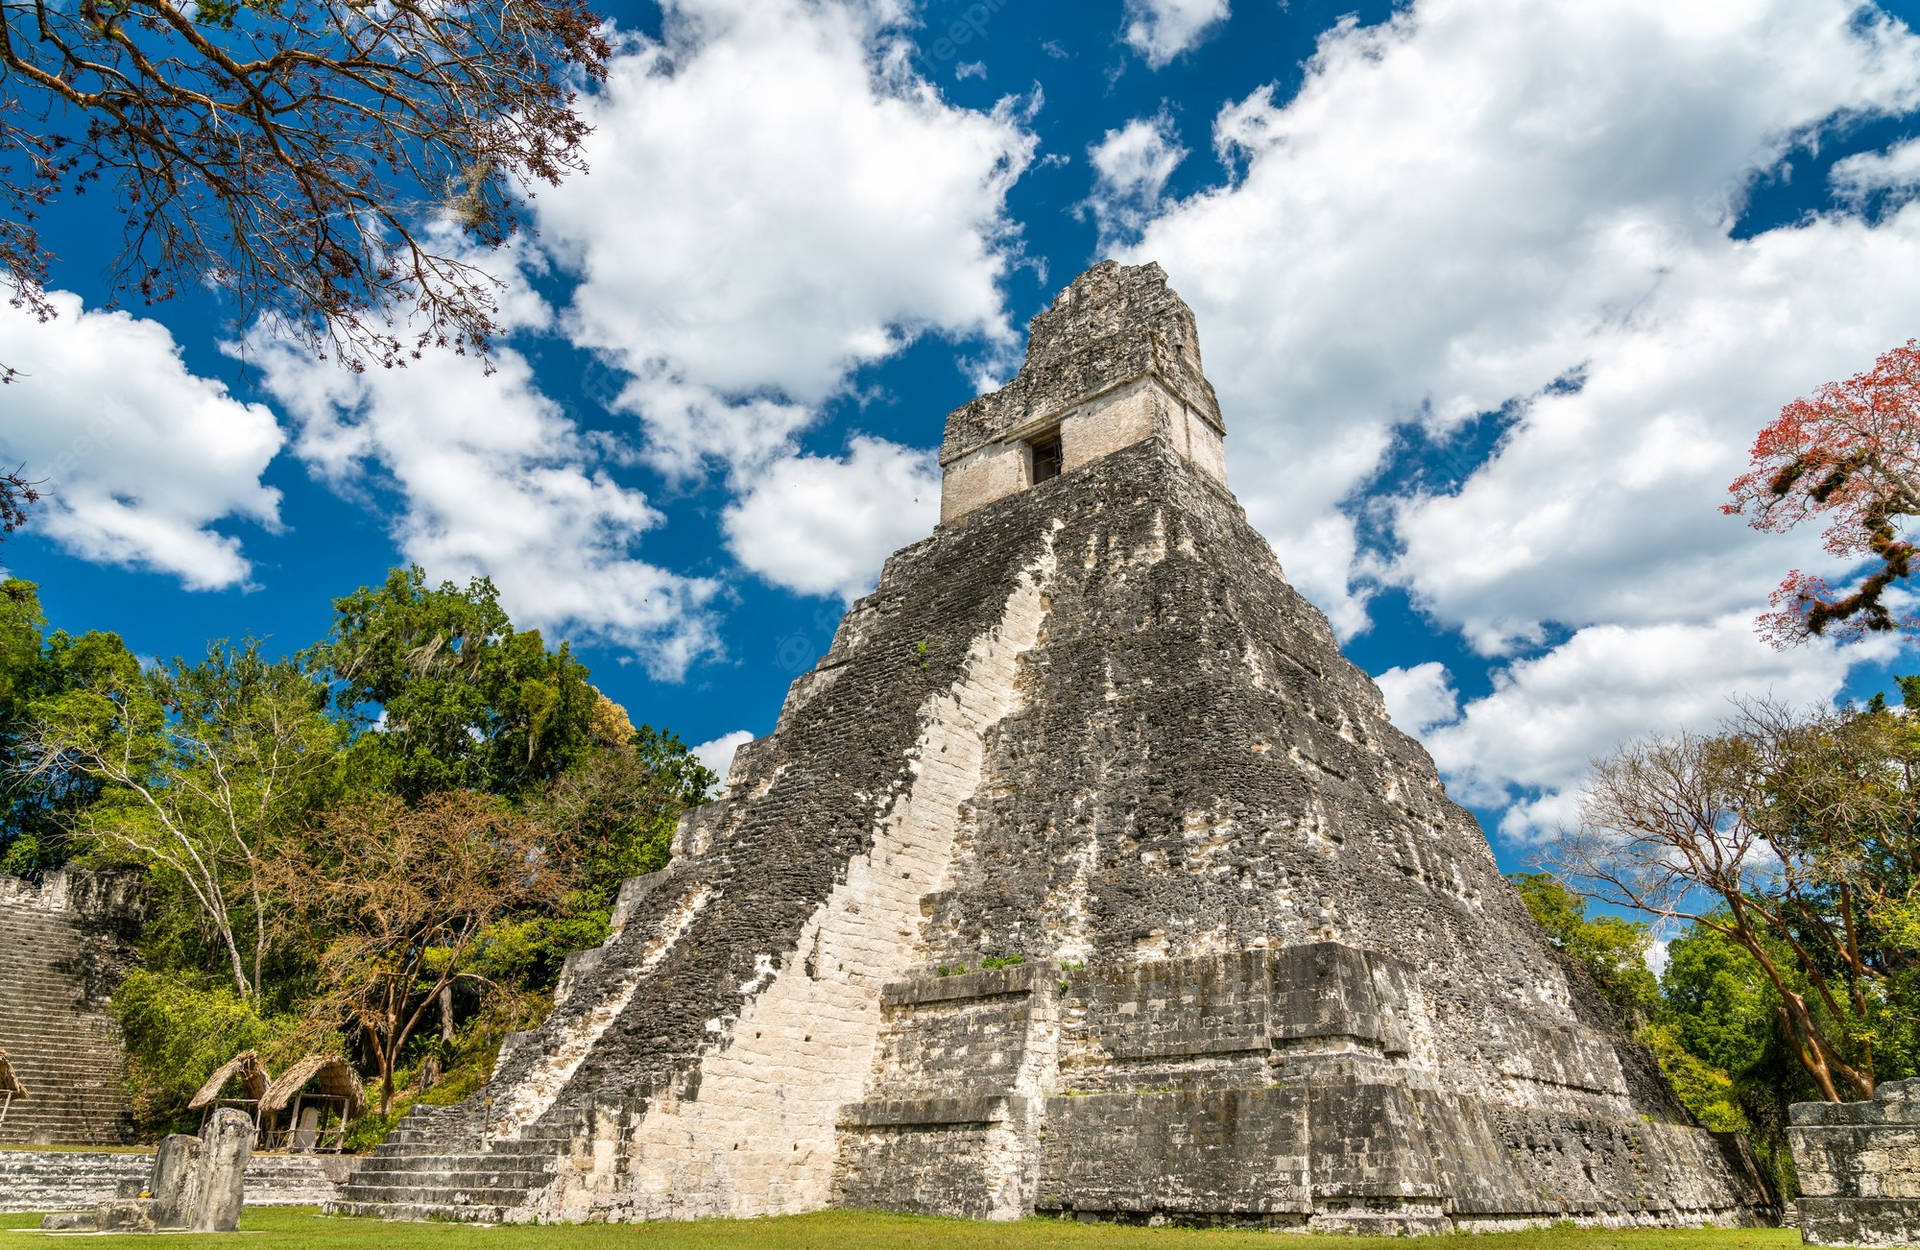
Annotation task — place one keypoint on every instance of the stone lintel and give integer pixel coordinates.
(900, 1112)
(930, 987)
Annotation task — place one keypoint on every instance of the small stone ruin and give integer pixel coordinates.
(1859, 1165)
(197, 1185)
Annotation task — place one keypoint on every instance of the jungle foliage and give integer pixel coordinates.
(382, 845)
(1783, 854)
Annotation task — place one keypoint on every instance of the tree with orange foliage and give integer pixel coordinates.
(1849, 454)
(395, 903)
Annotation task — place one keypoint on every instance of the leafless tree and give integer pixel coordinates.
(1789, 833)
(294, 154)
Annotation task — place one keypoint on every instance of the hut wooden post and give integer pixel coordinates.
(245, 1068)
(333, 1087)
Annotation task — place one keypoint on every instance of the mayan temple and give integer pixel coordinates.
(1082, 876)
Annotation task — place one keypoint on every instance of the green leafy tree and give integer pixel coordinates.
(36, 666)
(200, 768)
(1793, 836)
(1704, 1090)
(1724, 1042)
(1612, 949)
(449, 694)
(178, 1028)
(1716, 1000)
(615, 811)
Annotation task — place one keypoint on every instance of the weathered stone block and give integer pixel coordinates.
(126, 1215)
(1324, 991)
(1859, 1166)
(175, 1182)
(1179, 1152)
(220, 1178)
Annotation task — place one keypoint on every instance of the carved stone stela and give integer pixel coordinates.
(1085, 876)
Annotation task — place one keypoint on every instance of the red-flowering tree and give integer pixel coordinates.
(1849, 455)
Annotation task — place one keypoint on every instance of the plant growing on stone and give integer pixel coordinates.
(1848, 455)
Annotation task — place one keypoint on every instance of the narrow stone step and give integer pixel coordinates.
(417, 1212)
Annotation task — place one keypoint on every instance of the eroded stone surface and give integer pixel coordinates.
(1083, 875)
(220, 1178)
(1859, 1165)
(175, 1183)
(195, 1183)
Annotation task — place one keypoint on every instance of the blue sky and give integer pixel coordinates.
(1495, 293)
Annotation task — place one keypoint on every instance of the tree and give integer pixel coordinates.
(1792, 835)
(615, 810)
(294, 155)
(200, 768)
(17, 494)
(396, 899)
(1612, 950)
(456, 698)
(1716, 1000)
(1850, 455)
(35, 808)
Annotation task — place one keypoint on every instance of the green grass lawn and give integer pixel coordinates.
(274, 1228)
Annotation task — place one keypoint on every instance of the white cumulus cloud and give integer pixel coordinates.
(497, 479)
(1495, 205)
(821, 525)
(1161, 30)
(1527, 745)
(1896, 170)
(1131, 167)
(141, 460)
(1420, 697)
(1456, 204)
(717, 755)
(776, 199)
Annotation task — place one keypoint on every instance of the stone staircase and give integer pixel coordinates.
(435, 1165)
(54, 1028)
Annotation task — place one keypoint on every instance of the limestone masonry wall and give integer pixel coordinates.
(75, 1180)
(1859, 1165)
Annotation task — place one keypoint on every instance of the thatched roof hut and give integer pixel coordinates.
(10, 1084)
(329, 1076)
(244, 1067)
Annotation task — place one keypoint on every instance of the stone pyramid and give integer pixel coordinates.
(1082, 876)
